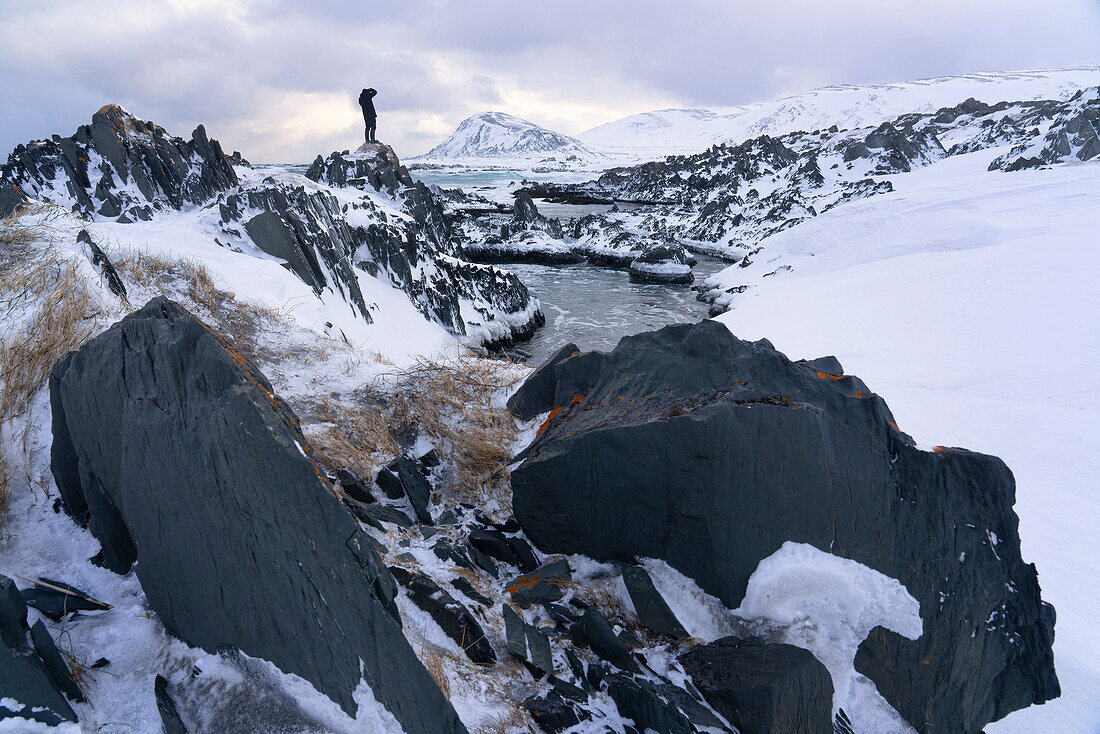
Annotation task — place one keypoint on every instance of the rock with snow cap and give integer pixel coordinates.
(689, 445)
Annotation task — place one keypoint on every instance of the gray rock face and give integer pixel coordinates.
(116, 166)
(240, 543)
(690, 445)
(763, 688)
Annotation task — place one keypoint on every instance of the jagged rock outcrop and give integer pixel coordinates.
(213, 492)
(1073, 134)
(372, 164)
(119, 167)
(690, 445)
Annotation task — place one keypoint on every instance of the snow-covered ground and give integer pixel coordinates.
(677, 131)
(968, 300)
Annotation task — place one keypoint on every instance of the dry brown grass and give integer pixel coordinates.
(46, 312)
(46, 298)
(351, 437)
(453, 402)
(239, 322)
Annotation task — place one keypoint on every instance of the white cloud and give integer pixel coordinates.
(277, 80)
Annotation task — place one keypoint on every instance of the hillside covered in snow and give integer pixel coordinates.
(259, 470)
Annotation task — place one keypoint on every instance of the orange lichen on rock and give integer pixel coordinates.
(546, 423)
(523, 582)
(827, 376)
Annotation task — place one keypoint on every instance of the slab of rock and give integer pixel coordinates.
(58, 671)
(551, 713)
(690, 445)
(214, 467)
(763, 688)
(541, 586)
(538, 644)
(594, 631)
(169, 715)
(61, 600)
(540, 388)
(638, 700)
(515, 632)
(452, 617)
(651, 607)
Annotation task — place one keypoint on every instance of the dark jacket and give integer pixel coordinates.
(366, 101)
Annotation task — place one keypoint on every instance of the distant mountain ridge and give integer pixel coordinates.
(679, 131)
(659, 133)
(499, 135)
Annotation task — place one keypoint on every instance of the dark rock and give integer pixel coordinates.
(55, 665)
(201, 420)
(385, 513)
(468, 589)
(638, 701)
(494, 544)
(169, 716)
(697, 713)
(539, 389)
(23, 678)
(430, 459)
(763, 688)
(523, 553)
(354, 488)
(484, 562)
(55, 603)
(551, 713)
(515, 633)
(538, 647)
(13, 615)
(559, 613)
(389, 483)
(541, 586)
(595, 632)
(452, 617)
(652, 610)
(568, 690)
(100, 260)
(414, 485)
(739, 431)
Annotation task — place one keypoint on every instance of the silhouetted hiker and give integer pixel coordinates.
(366, 101)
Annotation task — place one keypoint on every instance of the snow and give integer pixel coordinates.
(678, 131)
(828, 605)
(967, 299)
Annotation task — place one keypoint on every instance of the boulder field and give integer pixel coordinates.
(690, 445)
(180, 458)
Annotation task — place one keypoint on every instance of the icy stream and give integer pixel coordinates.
(594, 307)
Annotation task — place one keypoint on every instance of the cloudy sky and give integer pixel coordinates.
(277, 80)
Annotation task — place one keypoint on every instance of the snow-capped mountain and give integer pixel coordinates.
(677, 131)
(500, 135)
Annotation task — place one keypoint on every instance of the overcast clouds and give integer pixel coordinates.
(278, 80)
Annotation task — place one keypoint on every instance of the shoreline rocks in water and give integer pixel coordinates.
(689, 445)
(215, 496)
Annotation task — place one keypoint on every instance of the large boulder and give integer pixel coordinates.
(179, 455)
(690, 445)
(763, 688)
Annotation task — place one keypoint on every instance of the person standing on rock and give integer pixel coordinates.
(370, 117)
